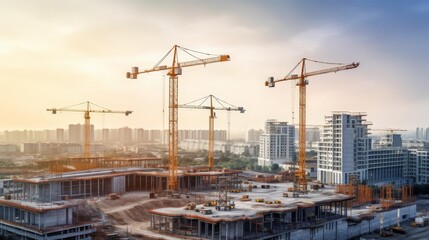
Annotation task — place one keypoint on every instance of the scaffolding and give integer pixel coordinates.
(363, 194)
(386, 196)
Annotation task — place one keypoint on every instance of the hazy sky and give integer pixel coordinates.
(59, 53)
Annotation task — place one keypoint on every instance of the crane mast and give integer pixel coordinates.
(225, 107)
(87, 127)
(175, 71)
(211, 135)
(300, 180)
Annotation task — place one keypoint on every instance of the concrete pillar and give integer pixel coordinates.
(199, 228)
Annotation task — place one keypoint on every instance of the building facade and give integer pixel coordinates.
(277, 145)
(418, 165)
(346, 150)
(343, 148)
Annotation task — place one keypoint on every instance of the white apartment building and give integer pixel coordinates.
(343, 148)
(418, 165)
(277, 145)
(388, 166)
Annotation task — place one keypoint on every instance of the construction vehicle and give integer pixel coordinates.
(245, 198)
(259, 200)
(174, 70)
(210, 204)
(224, 106)
(205, 211)
(190, 206)
(398, 229)
(228, 206)
(88, 109)
(300, 179)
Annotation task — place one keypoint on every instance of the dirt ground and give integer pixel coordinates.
(131, 211)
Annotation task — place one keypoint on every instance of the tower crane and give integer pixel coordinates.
(174, 70)
(224, 107)
(88, 109)
(300, 180)
(390, 130)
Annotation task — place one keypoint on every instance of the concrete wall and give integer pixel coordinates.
(56, 217)
(231, 230)
(118, 184)
(50, 192)
(339, 229)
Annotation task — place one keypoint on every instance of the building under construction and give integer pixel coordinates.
(270, 212)
(43, 207)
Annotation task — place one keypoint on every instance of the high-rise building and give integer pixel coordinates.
(343, 148)
(60, 135)
(277, 145)
(418, 165)
(427, 134)
(312, 134)
(390, 140)
(253, 135)
(105, 135)
(139, 135)
(125, 135)
(417, 133)
(77, 133)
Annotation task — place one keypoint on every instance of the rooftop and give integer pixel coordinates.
(252, 209)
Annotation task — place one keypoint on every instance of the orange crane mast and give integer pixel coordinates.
(300, 183)
(174, 70)
(86, 111)
(224, 107)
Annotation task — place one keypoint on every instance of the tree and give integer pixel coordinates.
(275, 168)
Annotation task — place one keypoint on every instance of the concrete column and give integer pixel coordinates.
(151, 221)
(199, 228)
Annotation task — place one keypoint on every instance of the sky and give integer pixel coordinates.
(60, 53)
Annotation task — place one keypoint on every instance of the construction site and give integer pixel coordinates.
(81, 197)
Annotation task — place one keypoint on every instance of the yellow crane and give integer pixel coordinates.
(88, 109)
(390, 130)
(174, 70)
(224, 106)
(300, 181)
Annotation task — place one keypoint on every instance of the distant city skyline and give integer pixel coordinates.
(59, 53)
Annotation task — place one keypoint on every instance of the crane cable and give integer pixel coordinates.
(186, 50)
